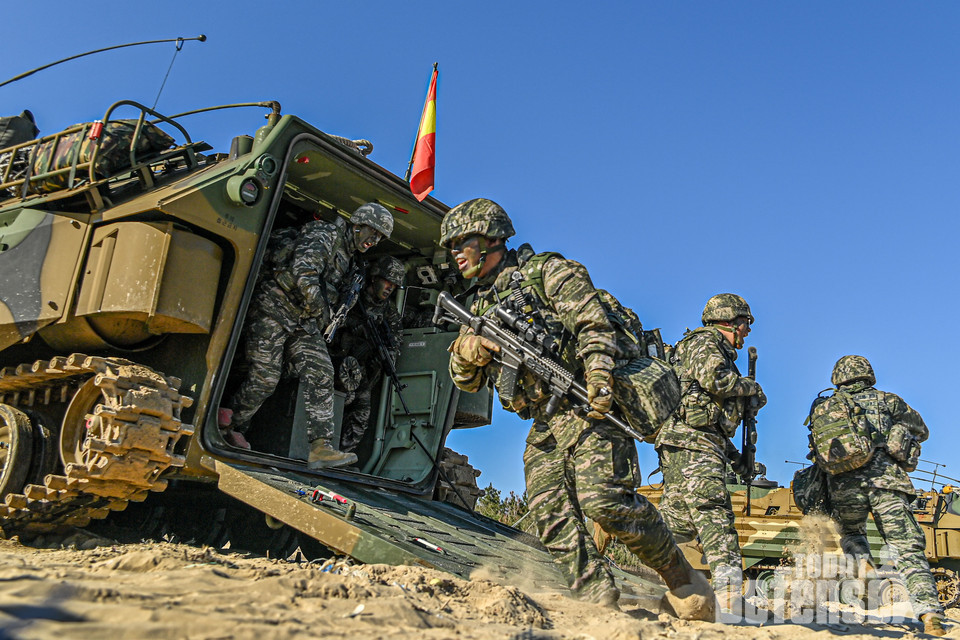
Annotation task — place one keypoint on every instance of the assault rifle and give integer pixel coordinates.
(372, 332)
(373, 335)
(524, 344)
(354, 286)
(748, 455)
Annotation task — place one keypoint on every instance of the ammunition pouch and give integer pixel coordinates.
(697, 409)
(731, 415)
(903, 447)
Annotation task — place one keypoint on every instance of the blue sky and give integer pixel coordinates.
(801, 154)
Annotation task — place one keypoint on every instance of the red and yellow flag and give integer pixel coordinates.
(424, 153)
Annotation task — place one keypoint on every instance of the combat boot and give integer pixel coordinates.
(324, 456)
(690, 596)
(933, 624)
(230, 435)
(729, 605)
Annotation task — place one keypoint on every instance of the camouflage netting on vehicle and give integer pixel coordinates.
(112, 154)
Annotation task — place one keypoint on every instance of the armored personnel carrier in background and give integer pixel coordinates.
(775, 531)
(128, 258)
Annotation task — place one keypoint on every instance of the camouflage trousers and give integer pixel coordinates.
(696, 503)
(852, 500)
(270, 346)
(595, 478)
(356, 416)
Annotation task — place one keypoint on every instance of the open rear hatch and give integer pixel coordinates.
(380, 526)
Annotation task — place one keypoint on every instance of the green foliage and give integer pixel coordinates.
(507, 510)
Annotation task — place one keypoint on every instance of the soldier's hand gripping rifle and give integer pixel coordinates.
(748, 455)
(523, 344)
(354, 286)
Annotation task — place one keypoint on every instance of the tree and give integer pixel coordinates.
(507, 510)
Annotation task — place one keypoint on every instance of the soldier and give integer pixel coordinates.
(285, 328)
(883, 488)
(694, 445)
(576, 466)
(355, 351)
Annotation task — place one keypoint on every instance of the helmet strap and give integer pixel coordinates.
(485, 249)
(733, 329)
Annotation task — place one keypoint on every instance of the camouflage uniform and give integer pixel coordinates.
(358, 365)
(285, 328)
(694, 447)
(287, 318)
(575, 467)
(882, 487)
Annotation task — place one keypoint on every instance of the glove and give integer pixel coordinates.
(752, 388)
(739, 465)
(474, 349)
(350, 374)
(760, 399)
(599, 392)
(312, 300)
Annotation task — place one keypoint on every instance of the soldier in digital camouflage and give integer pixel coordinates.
(284, 327)
(576, 466)
(694, 445)
(354, 352)
(883, 488)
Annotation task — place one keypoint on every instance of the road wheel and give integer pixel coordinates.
(948, 586)
(16, 449)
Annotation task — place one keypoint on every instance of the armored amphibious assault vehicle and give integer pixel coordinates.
(128, 257)
(775, 532)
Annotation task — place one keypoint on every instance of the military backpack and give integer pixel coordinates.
(842, 436)
(645, 388)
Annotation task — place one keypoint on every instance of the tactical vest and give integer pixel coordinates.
(697, 408)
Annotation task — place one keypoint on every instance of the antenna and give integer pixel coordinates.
(179, 41)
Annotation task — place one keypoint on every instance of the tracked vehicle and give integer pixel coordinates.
(128, 258)
(773, 534)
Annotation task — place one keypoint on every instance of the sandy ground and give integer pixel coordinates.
(167, 590)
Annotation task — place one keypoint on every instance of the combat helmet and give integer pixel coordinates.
(375, 215)
(852, 368)
(725, 307)
(477, 216)
(388, 268)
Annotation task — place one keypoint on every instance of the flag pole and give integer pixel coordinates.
(406, 176)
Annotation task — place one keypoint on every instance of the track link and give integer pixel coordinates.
(127, 432)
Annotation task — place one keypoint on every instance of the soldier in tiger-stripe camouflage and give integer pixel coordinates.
(882, 487)
(576, 466)
(359, 366)
(285, 327)
(694, 445)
